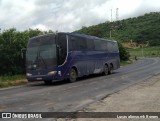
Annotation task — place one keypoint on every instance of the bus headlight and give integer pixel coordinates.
(28, 74)
(52, 73)
(59, 73)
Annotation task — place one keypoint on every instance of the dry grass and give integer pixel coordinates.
(8, 81)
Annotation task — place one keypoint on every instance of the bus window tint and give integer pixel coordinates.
(115, 47)
(62, 42)
(47, 40)
(112, 47)
(97, 44)
(104, 45)
(72, 43)
(90, 44)
(77, 43)
(34, 42)
(82, 43)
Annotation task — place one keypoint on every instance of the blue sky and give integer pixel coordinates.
(68, 15)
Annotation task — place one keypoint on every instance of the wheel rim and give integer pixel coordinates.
(73, 75)
(105, 69)
(111, 69)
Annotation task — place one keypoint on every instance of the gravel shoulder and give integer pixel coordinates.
(143, 97)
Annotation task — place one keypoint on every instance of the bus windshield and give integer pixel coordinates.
(41, 53)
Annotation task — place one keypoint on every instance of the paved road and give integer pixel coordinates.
(64, 96)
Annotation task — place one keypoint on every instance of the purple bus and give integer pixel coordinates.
(62, 56)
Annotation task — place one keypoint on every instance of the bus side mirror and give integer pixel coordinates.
(23, 52)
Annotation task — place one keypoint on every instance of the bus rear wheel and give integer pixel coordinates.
(111, 69)
(106, 70)
(72, 75)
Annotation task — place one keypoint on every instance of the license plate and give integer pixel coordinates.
(39, 78)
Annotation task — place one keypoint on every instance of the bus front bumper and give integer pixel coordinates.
(43, 78)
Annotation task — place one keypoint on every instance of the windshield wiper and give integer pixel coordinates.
(35, 63)
(43, 60)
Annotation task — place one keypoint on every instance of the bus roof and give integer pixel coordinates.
(86, 36)
(74, 34)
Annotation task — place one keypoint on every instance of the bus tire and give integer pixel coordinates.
(111, 69)
(48, 82)
(106, 69)
(72, 75)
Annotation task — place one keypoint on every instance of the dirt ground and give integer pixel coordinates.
(143, 97)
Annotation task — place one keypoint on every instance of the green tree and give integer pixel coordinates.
(124, 54)
(11, 43)
(141, 29)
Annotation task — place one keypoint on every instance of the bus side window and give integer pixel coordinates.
(62, 42)
(104, 45)
(90, 44)
(110, 47)
(77, 43)
(115, 46)
(82, 43)
(73, 45)
(97, 44)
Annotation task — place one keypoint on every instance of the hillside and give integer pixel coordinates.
(139, 29)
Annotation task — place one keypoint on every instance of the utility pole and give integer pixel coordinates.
(110, 34)
(111, 15)
(117, 15)
(142, 52)
(111, 27)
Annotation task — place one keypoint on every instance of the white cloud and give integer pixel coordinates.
(40, 27)
(127, 7)
(68, 15)
(15, 13)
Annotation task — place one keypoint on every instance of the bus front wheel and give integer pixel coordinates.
(72, 75)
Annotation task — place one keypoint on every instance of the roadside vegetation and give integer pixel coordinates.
(124, 63)
(139, 29)
(12, 66)
(7, 81)
(145, 52)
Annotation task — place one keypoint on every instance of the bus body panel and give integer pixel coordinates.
(91, 62)
(86, 63)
